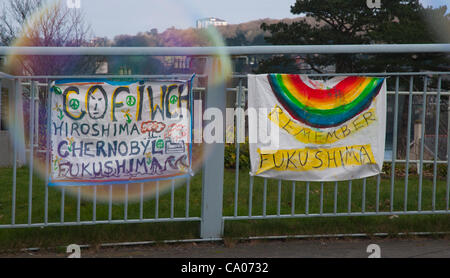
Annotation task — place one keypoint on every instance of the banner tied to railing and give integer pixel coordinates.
(115, 132)
(319, 130)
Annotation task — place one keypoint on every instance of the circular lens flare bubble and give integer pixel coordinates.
(32, 34)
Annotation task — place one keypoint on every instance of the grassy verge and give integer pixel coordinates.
(92, 234)
(339, 225)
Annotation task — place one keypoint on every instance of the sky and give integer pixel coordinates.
(109, 18)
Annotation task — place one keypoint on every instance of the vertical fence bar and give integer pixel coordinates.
(250, 196)
(78, 204)
(335, 197)
(422, 137)
(36, 116)
(408, 140)
(47, 150)
(349, 205)
(265, 197)
(157, 200)
(377, 198)
(279, 198)
(321, 198)
(110, 203)
(436, 142)
(14, 106)
(31, 136)
(188, 183)
(63, 194)
(238, 125)
(172, 198)
(293, 199)
(125, 207)
(363, 202)
(141, 202)
(394, 143)
(307, 199)
(94, 205)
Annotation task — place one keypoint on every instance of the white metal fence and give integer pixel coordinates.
(416, 180)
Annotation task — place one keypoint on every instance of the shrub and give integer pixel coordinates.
(244, 155)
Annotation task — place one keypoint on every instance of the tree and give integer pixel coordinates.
(13, 17)
(352, 22)
(31, 23)
(136, 64)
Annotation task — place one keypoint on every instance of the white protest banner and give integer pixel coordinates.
(327, 130)
(113, 132)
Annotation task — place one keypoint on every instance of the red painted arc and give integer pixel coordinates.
(345, 86)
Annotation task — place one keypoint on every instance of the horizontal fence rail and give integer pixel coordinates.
(230, 50)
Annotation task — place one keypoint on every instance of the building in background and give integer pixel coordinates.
(210, 21)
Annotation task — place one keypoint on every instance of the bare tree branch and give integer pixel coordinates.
(56, 25)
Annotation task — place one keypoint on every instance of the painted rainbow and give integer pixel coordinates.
(323, 108)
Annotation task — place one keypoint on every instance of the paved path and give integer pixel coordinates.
(305, 248)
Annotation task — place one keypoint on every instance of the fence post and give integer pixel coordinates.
(213, 160)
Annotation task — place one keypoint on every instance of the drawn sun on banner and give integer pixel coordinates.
(119, 132)
(328, 130)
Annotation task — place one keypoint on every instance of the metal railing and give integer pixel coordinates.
(202, 199)
(33, 97)
(341, 195)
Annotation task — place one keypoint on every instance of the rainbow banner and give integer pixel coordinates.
(330, 119)
(328, 107)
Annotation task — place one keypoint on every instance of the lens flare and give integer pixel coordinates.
(438, 23)
(41, 29)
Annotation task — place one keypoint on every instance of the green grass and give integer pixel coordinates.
(94, 234)
(328, 195)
